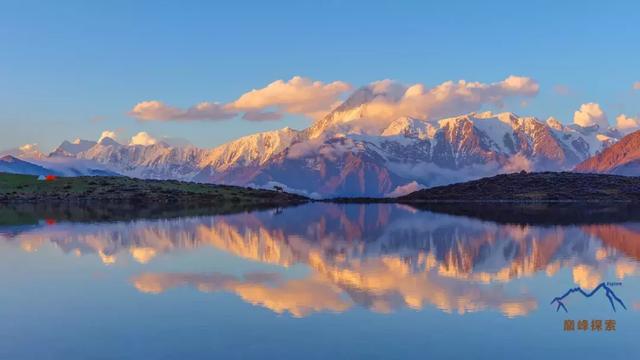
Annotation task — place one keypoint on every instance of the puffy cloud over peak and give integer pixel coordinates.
(314, 99)
(414, 90)
(25, 151)
(521, 85)
(296, 96)
(446, 99)
(143, 138)
(29, 147)
(393, 90)
(108, 134)
(591, 114)
(627, 124)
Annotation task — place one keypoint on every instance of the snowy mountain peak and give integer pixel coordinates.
(358, 98)
(507, 117)
(355, 116)
(107, 141)
(250, 150)
(71, 149)
(411, 128)
(555, 124)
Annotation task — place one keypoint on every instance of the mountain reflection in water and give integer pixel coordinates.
(382, 257)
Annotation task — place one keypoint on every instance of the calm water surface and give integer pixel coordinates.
(317, 281)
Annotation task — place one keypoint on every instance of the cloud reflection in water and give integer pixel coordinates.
(381, 257)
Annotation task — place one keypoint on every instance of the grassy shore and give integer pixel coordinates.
(25, 188)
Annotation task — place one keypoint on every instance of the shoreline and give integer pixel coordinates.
(516, 188)
(22, 189)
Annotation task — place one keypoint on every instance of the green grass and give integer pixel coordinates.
(29, 188)
(13, 183)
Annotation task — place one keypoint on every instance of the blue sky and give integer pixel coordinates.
(75, 68)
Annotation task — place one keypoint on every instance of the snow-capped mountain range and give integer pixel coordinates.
(349, 152)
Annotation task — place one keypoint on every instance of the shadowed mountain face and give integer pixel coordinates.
(381, 257)
(13, 165)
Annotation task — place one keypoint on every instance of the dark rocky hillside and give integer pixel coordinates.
(543, 186)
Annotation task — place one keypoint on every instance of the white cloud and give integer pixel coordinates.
(591, 114)
(446, 99)
(518, 162)
(29, 147)
(314, 99)
(26, 151)
(627, 124)
(521, 85)
(157, 110)
(405, 189)
(431, 174)
(154, 110)
(586, 277)
(296, 96)
(143, 138)
(108, 134)
(393, 90)
(300, 96)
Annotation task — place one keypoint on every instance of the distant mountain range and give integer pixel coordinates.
(352, 151)
(11, 164)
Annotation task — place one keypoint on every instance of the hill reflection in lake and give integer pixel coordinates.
(336, 259)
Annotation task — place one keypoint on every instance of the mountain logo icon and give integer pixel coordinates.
(609, 293)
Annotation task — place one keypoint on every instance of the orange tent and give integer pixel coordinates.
(50, 177)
